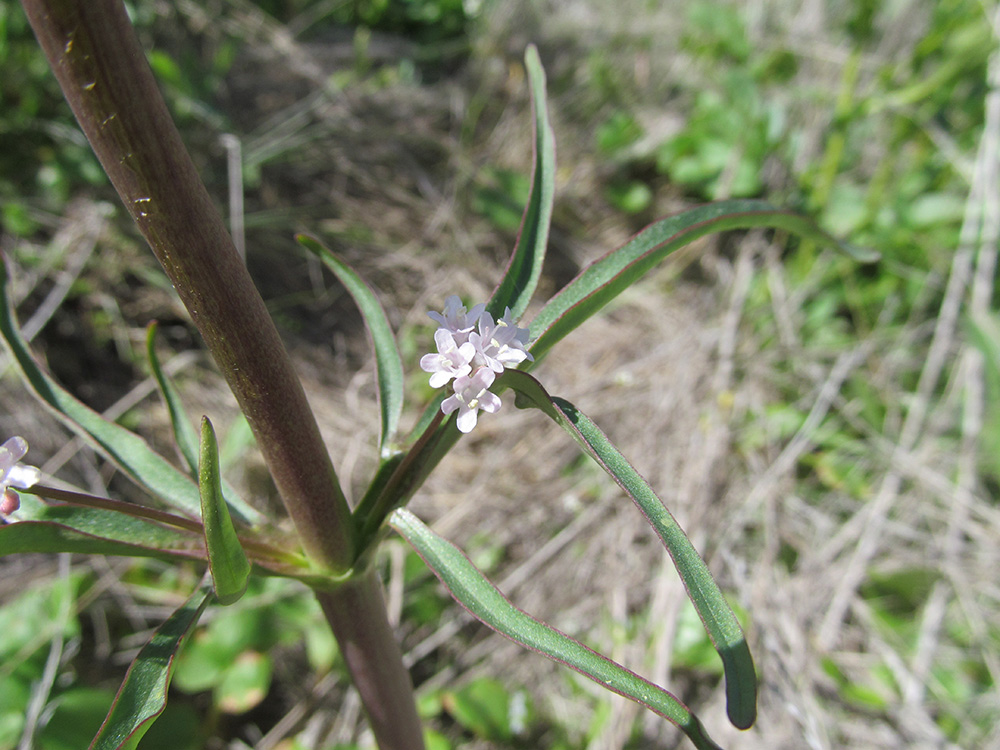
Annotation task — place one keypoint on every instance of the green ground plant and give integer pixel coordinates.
(909, 203)
(100, 68)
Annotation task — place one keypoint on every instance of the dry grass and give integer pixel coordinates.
(674, 372)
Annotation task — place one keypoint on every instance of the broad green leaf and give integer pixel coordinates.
(607, 277)
(42, 527)
(76, 715)
(184, 434)
(143, 695)
(388, 363)
(483, 707)
(127, 450)
(226, 560)
(720, 622)
(486, 603)
(245, 683)
(525, 266)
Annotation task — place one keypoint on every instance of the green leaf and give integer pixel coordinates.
(76, 715)
(525, 266)
(483, 707)
(42, 527)
(143, 695)
(226, 559)
(407, 476)
(388, 363)
(984, 332)
(184, 434)
(369, 502)
(486, 603)
(719, 620)
(607, 277)
(245, 683)
(94, 525)
(128, 451)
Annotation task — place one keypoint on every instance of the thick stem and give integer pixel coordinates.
(102, 70)
(100, 65)
(374, 660)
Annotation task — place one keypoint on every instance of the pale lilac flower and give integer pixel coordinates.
(470, 396)
(456, 319)
(500, 344)
(451, 361)
(14, 474)
(472, 349)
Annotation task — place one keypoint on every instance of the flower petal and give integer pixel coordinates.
(23, 477)
(467, 419)
(17, 447)
(450, 404)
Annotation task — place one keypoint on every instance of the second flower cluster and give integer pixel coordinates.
(472, 349)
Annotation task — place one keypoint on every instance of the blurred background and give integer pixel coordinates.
(827, 433)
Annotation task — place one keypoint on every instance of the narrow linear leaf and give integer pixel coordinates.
(984, 332)
(226, 559)
(41, 527)
(427, 417)
(69, 526)
(525, 266)
(407, 476)
(128, 451)
(143, 695)
(607, 277)
(49, 537)
(184, 434)
(719, 620)
(376, 488)
(388, 362)
(486, 603)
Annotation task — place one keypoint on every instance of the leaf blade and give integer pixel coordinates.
(605, 278)
(184, 434)
(42, 527)
(525, 265)
(718, 618)
(125, 449)
(143, 694)
(227, 562)
(488, 605)
(388, 362)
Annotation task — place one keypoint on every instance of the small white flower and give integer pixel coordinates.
(470, 396)
(14, 474)
(462, 349)
(451, 361)
(456, 319)
(500, 344)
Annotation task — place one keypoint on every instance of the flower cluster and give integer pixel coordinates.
(472, 349)
(14, 474)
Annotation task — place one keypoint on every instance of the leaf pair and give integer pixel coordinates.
(399, 476)
(89, 525)
(475, 592)
(594, 287)
(126, 450)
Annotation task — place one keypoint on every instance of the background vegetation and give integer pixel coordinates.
(827, 433)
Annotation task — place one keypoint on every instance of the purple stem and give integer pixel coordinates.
(102, 70)
(103, 73)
